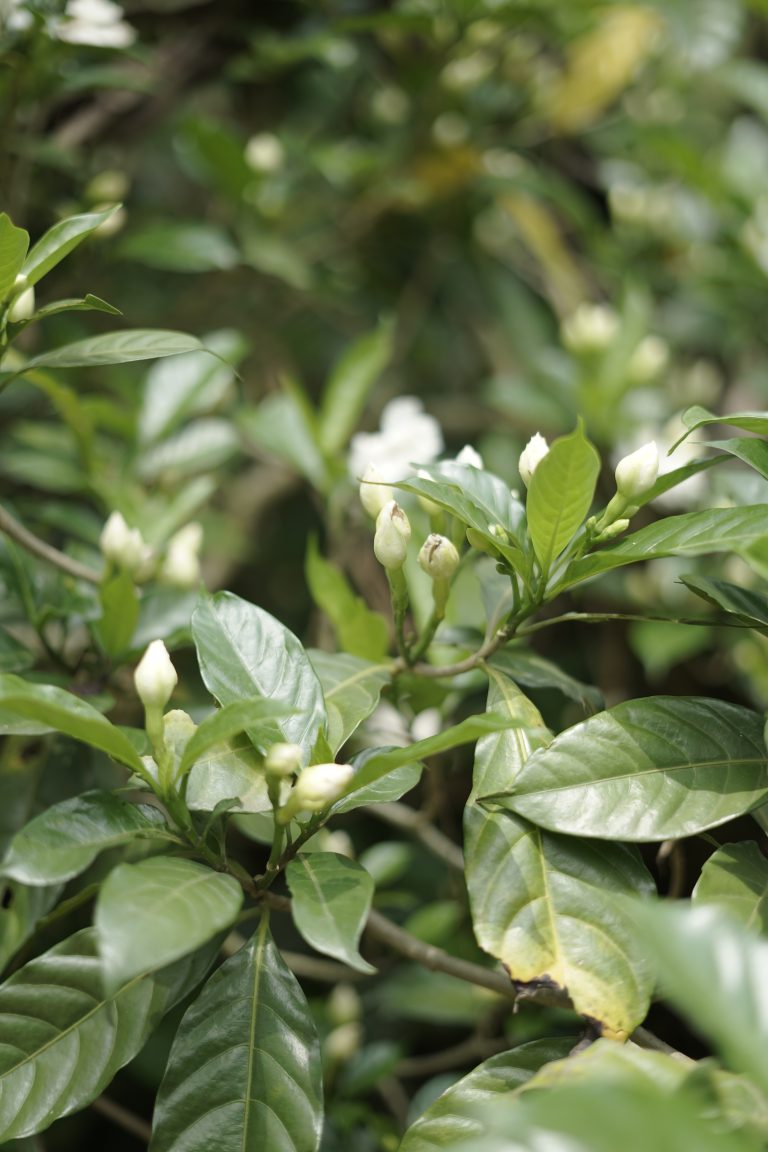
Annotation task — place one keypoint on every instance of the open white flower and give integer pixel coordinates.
(408, 435)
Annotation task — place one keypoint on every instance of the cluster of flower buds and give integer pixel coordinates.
(125, 547)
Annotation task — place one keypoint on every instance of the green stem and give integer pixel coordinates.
(399, 594)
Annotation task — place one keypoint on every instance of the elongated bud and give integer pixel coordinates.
(531, 456)
(374, 494)
(319, 785)
(438, 557)
(393, 531)
(155, 676)
(468, 455)
(636, 473)
(613, 530)
(24, 305)
(123, 546)
(282, 760)
(181, 566)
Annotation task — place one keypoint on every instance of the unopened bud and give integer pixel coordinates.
(649, 359)
(614, 530)
(122, 545)
(282, 760)
(468, 455)
(393, 531)
(636, 473)
(24, 305)
(343, 1042)
(181, 566)
(343, 1005)
(319, 785)
(591, 328)
(430, 507)
(438, 557)
(374, 494)
(155, 676)
(531, 456)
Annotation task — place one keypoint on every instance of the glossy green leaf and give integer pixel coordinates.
(746, 604)
(331, 900)
(63, 1039)
(456, 1114)
(60, 710)
(669, 480)
(736, 878)
(696, 417)
(606, 1063)
(543, 904)
(21, 908)
(713, 971)
(87, 303)
(350, 385)
(13, 248)
(228, 771)
(351, 688)
(534, 671)
(59, 241)
(560, 494)
(63, 840)
(394, 784)
(245, 652)
(116, 348)
(254, 715)
(751, 450)
(151, 913)
(244, 1072)
(200, 446)
(119, 613)
(181, 247)
(360, 631)
(651, 769)
(690, 534)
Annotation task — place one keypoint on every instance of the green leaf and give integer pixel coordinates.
(350, 385)
(669, 480)
(541, 903)
(750, 607)
(181, 247)
(240, 716)
(752, 451)
(13, 248)
(64, 1039)
(690, 534)
(279, 427)
(87, 303)
(380, 763)
(331, 900)
(713, 970)
(455, 1114)
(652, 769)
(360, 631)
(534, 671)
(60, 710)
(151, 913)
(119, 613)
(20, 910)
(245, 652)
(63, 840)
(233, 770)
(116, 348)
(59, 241)
(392, 786)
(560, 494)
(736, 878)
(696, 417)
(244, 1072)
(351, 688)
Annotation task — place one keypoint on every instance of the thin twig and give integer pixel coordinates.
(124, 1119)
(401, 816)
(471, 1051)
(11, 526)
(486, 649)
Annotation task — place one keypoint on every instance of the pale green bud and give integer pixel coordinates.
(181, 566)
(393, 532)
(531, 456)
(438, 557)
(319, 785)
(264, 153)
(636, 473)
(374, 494)
(591, 328)
(24, 305)
(649, 359)
(122, 545)
(614, 530)
(343, 1042)
(344, 1005)
(155, 676)
(282, 760)
(476, 540)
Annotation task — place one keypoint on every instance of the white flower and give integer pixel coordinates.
(14, 16)
(531, 456)
(124, 546)
(408, 435)
(319, 785)
(181, 566)
(393, 532)
(24, 305)
(97, 23)
(264, 153)
(438, 557)
(155, 676)
(468, 455)
(591, 328)
(636, 473)
(374, 494)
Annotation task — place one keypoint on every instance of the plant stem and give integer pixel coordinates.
(123, 1118)
(399, 593)
(11, 526)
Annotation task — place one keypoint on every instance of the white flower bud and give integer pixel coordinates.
(122, 545)
(341, 1044)
(531, 456)
(282, 760)
(343, 1005)
(393, 531)
(155, 676)
(181, 566)
(374, 493)
(24, 305)
(319, 785)
(264, 153)
(648, 359)
(428, 505)
(468, 455)
(178, 730)
(591, 328)
(636, 473)
(438, 557)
